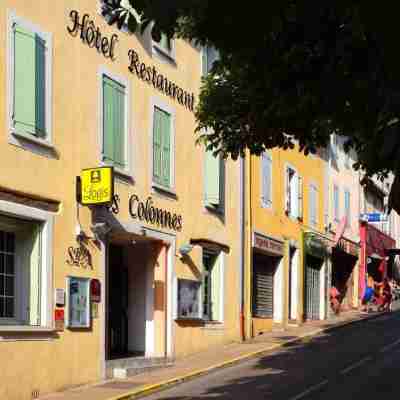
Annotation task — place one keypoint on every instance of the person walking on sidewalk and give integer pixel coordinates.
(368, 295)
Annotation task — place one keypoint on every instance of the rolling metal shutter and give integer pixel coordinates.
(263, 287)
(312, 289)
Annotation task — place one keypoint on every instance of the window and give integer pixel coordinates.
(24, 268)
(114, 122)
(266, 180)
(336, 203)
(165, 47)
(294, 194)
(347, 159)
(347, 206)
(334, 147)
(212, 286)
(30, 82)
(313, 205)
(162, 148)
(208, 56)
(214, 172)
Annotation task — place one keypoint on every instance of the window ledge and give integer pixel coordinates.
(164, 55)
(267, 205)
(25, 329)
(33, 139)
(164, 190)
(215, 210)
(198, 321)
(124, 176)
(214, 325)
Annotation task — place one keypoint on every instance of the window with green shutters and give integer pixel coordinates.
(114, 123)
(30, 71)
(162, 162)
(20, 272)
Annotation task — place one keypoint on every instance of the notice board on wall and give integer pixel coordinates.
(78, 299)
(189, 299)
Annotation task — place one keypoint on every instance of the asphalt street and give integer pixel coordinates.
(360, 361)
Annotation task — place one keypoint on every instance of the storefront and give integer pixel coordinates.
(374, 254)
(267, 283)
(315, 276)
(344, 272)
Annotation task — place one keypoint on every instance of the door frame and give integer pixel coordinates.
(169, 239)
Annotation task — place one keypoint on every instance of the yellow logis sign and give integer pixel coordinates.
(97, 185)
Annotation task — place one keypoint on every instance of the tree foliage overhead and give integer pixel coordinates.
(293, 70)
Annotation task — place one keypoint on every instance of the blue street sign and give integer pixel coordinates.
(373, 217)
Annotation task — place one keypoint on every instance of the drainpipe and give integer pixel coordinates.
(242, 245)
(248, 248)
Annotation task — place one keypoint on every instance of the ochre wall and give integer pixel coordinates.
(274, 221)
(73, 357)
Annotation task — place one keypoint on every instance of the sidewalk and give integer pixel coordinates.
(204, 362)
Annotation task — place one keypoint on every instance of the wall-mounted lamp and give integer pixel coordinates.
(185, 249)
(100, 229)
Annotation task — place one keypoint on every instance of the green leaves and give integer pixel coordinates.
(291, 70)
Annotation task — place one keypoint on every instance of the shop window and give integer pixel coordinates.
(114, 122)
(189, 295)
(212, 286)
(208, 56)
(266, 180)
(24, 272)
(162, 149)
(313, 205)
(30, 66)
(214, 175)
(293, 194)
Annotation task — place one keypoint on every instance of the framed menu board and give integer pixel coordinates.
(78, 302)
(188, 299)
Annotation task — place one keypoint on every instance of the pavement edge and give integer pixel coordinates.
(156, 387)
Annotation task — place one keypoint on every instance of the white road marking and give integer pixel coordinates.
(313, 388)
(355, 365)
(389, 346)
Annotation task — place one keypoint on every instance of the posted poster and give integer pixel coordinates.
(78, 302)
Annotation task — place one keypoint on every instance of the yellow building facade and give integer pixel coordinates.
(93, 292)
(285, 207)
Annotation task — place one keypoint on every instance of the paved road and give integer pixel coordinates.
(360, 361)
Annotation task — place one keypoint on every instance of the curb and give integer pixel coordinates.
(160, 386)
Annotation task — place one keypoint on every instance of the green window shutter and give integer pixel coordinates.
(29, 82)
(114, 122)
(212, 179)
(119, 145)
(216, 284)
(35, 275)
(166, 149)
(157, 143)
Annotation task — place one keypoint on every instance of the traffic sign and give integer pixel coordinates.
(373, 217)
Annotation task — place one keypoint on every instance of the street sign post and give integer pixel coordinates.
(373, 217)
